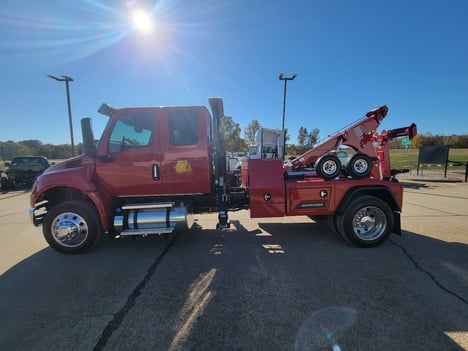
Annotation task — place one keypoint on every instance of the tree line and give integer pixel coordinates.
(9, 149)
(455, 141)
(231, 132)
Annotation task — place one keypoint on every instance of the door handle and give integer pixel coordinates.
(106, 158)
(156, 173)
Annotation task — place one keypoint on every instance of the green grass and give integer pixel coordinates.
(404, 158)
(409, 158)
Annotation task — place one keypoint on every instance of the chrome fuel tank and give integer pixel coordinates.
(143, 219)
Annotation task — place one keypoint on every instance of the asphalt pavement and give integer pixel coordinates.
(265, 284)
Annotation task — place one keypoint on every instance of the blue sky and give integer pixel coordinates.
(350, 56)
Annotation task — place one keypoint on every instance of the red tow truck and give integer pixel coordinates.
(155, 166)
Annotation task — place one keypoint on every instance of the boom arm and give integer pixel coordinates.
(409, 131)
(356, 136)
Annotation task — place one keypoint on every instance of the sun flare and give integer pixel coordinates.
(142, 21)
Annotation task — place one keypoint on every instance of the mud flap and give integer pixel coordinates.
(396, 223)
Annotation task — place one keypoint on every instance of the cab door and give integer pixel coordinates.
(129, 157)
(185, 139)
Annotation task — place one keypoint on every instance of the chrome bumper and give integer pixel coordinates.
(37, 213)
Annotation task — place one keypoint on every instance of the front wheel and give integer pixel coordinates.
(366, 222)
(71, 227)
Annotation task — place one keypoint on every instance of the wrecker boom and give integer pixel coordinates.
(362, 137)
(355, 136)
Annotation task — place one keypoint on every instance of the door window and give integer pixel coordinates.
(131, 131)
(183, 128)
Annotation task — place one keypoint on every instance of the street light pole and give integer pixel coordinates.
(285, 79)
(67, 80)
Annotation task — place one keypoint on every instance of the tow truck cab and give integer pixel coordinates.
(155, 151)
(151, 167)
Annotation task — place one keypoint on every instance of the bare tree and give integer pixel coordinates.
(313, 137)
(302, 139)
(250, 131)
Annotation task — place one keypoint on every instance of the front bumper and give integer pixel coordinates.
(37, 213)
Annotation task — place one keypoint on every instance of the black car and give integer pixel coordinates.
(22, 171)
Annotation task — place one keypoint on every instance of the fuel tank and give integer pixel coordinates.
(143, 219)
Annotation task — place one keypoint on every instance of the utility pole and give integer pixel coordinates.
(285, 79)
(67, 80)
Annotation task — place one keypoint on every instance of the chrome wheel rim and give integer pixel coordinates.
(329, 167)
(369, 223)
(360, 166)
(69, 229)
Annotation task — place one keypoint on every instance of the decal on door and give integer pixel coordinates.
(183, 166)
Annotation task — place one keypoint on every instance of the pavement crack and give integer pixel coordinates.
(118, 318)
(11, 214)
(429, 274)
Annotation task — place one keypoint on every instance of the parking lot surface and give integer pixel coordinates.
(265, 284)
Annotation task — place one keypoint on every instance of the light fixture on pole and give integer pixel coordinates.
(67, 80)
(285, 79)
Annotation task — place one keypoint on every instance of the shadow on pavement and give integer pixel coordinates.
(414, 185)
(12, 193)
(239, 289)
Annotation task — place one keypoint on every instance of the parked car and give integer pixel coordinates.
(22, 171)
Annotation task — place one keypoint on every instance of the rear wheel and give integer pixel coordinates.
(328, 167)
(366, 222)
(359, 166)
(72, 227)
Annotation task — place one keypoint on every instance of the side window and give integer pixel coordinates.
(132, 130)
(183, 127)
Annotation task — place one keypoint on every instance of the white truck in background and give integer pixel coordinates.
(268, 143)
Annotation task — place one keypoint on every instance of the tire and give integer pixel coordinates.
(366, 222)
(8, 184)
(331, 222)
(328, 167)
(72, 227)
(3, 184)
(359, 166)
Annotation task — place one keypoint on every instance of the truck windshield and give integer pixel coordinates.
(253, 150)
(29, 161)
